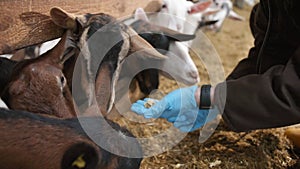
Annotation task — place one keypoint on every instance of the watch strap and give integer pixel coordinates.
(205, 100)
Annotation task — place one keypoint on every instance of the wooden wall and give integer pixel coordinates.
(27, 22)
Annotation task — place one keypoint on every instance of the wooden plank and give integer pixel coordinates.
(27, 22)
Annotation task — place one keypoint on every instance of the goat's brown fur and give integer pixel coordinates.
(30, 141)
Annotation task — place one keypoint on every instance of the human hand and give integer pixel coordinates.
(178, 107)
(190, 122)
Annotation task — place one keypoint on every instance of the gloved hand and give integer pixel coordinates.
(178, 107)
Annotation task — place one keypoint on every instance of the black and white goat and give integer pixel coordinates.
(225, 11)
(160, 38)
(182, 16)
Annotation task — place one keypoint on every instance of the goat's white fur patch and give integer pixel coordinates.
(87, 57)
(2, 104)
(123, 53)
(59, 84)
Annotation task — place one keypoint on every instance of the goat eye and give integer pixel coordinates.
(63, 80)
(164, 6)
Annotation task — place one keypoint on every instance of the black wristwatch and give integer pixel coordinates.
(205, 100)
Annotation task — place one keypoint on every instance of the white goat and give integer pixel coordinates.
(225, 11)
(185, 16)
(182, 16)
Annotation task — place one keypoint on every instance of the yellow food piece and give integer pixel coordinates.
(79, 162)
(149, 103)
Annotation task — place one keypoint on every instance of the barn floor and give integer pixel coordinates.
(224, 149)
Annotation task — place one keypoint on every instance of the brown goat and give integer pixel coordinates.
(39, 86)
(34, 141)
(102, 61)
(31, 141)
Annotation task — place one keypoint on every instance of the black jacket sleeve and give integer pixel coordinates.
(261, 101)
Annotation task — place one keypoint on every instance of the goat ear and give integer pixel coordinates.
(140, 15)
(137, 43)
(81, 155)
(61, 52)
(171, 34)
(62, 18)
(235, 16)
(206, 23)
(199, 7)
(175, 35)
(104, 93)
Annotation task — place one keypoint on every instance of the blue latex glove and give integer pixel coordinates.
(178, 107)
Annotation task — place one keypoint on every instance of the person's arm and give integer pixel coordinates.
(262, 101)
